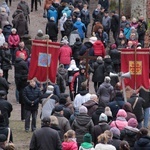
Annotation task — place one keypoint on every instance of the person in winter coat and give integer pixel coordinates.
(3, 83)
(2, 38)
(100, 128)
(77, 80)
(134, 23)
(13, 41)
(7, 31)
(3, 17)
(104, 4)
(143, 140)
(31, 96)
(116, 138)
(6, 60)
(82, 124)
(4, 129)
(127, 30)
(65, 54)
(82, 97)
(85, 17)
(73, 35)
(87, 142)
(76, 50)
(138, 103)
(81, 28)
(98, 72)
(61, 23)
(4, 5)
(6, 108)
(120, 121)
(91, 104)
(105, 91)
(50, 140)
(115, 57)
(97, 113)
(68, 26)
(21, 25)
(124, 145)
(123, 22)
(23, 5)
(103, 143)
(22, 49)
(63, 122)
(117, 103)
(70, 141)
(40, 35)
(141, 32)
(129, 133)
(121, 37)
(52, 29)
(128, 108)
(21, 73)
(67, 11)
(52, 12)
(115, 22)
(76, 14)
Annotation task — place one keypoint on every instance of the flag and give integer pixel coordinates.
(137, 62)
(44, 59)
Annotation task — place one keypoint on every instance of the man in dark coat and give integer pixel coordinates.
(104, 4)
(5, 108)
(45, 138)
(3, 83)
(31, 96)
(52, 29)
(115, 24)
(21, 73)
(98, 72)
(137, 106)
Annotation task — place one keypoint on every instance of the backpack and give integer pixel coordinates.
(99, 48)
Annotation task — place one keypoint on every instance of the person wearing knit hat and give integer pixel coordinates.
(108, 113)
(120, 121)
(83, 110)
(100, 128)
(87, 142)
(130, 132)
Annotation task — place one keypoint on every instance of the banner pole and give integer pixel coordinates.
(47, 61)
(135, 50)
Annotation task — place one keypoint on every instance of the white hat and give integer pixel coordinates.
(93, 39)
(50, 89)
(73, 66)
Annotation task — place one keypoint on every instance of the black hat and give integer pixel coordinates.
(46, 120)
(3, 138)
(88, 44)
(58, 108)
(2, 93)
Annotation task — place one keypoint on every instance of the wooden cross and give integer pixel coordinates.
(87, 58)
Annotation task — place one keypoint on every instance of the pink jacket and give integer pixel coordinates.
(120, 123)
(13, 40)
(65, 55)
(69, 146)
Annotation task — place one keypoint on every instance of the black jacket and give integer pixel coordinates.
(30, 95)
(5, 108)
(68, 27)
(76, 49)
(115, 56)
(115, 23)
(45, 138)
(6, 59)
(51, 29)
(81, 125)
(143, 143)
(4, 85)
(138, 109)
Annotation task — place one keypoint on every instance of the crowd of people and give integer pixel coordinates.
(73, 119)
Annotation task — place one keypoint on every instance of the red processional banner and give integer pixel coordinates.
(44, 59)
(137, 62)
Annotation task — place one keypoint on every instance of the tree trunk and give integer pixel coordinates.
(126, 8)
(138, 8)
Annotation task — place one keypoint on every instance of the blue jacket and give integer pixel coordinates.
(67, 11)
(81, 28)
(52, 12)
(30, 95)
(127, 32)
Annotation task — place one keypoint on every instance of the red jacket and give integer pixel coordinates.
(22, 51)
(13, 40)
(69, 146)
(65, 55)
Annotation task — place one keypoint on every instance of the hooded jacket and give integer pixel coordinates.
(81, 125)
(86, 146)
(76, 49)
(81, 28)
(7, 31)
(71, 145)
(67, 11)
(52, 12)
